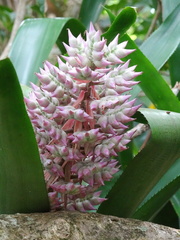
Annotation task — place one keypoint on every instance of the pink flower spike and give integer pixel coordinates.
(80, 112)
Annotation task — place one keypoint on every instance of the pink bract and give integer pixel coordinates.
(80, 114)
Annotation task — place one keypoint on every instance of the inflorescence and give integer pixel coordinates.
(80, 113)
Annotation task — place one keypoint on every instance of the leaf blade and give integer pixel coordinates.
(121, 23)
(135, 183)
(90, 11)
(34, 42)
(151, 82)
(164, 41)
(22, 186)
(160, 194)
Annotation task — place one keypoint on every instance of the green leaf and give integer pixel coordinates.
(148, 166)
(175, 200)
(151, 82)
(110, 14)
(164, 41)
(160, 194)
(167, 216)
(168, 7)
(90, 11)
(121, 23)
(22, 186)
(34, 42)
(174, 66)
(108, 186)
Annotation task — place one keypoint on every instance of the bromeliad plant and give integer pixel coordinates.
(80, 113)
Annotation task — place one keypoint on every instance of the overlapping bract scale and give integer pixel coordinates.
(80, 113)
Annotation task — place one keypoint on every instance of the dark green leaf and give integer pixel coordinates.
(160, 194)
(167, 216)
(121, 23)
(174, 66)
(151, 82)
(22, 186)
(90, 11)
(147, 168)
(110, 14)
(175, 200)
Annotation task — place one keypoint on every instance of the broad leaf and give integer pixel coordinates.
(90, 11)
(174, 66)
(175, 200)
(34, 42)
(151, 82)
(160, 194)
(168, 7)
(22, 186)
(147, 168)
(164, 41)
(121, 23)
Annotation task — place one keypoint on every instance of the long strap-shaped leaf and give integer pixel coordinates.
(22, 186)
(151, 82)
(175, 200)
(164, 41)
(160, 194)
(146, 169)
(90, 11)
(34, 41)
(168, 7)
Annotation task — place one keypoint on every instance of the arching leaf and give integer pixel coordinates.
(22, 185)
(147, 168)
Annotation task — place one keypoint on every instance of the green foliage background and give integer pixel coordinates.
(147, 185)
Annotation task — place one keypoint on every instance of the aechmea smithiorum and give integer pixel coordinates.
(80, 113)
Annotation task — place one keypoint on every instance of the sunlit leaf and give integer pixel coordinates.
(34, 42)
(164, 41)
(167, 8)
